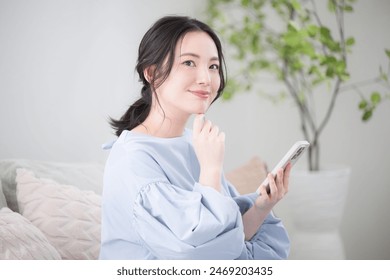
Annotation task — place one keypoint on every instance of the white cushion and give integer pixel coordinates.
(86, 175)
(68, 216)
(21, 240)
(3, 202)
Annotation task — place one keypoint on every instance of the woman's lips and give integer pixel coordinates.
(201, 93)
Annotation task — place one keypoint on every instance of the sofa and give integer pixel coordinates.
(51, 210)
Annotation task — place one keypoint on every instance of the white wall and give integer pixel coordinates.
(65, 66)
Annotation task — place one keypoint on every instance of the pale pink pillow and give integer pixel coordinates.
(68, 216)
(248, 177)
(21, 240)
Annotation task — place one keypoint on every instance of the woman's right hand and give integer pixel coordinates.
(209, 145)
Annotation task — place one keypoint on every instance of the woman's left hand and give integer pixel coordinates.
(278, 189)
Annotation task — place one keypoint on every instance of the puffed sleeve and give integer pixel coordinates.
(271, 241)
(180, 224)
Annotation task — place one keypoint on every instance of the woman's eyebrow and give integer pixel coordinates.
(197, 56)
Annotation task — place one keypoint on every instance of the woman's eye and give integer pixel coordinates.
(214, 67)
(189, 63)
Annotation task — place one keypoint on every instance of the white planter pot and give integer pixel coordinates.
(316, 203)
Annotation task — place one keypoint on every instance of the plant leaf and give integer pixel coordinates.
(367, 115)
(387, 53)
(375, 98)
(312, 30)
(348, 8)
(293, 25)
(350, 41)
(363, 104)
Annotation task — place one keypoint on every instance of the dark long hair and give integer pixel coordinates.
(157, 49)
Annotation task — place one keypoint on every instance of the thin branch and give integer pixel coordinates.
(331, 106)
(340, 23)
(302, 107)
(319, 22)
(388, 69)
(364, 83)
(308, 89)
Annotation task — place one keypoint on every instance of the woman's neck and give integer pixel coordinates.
(159, 125)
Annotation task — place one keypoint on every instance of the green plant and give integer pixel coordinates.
(299, 50)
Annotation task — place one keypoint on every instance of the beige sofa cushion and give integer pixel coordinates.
(86, 175)
(3, 202)
(68, 216)
(248, 177)
(21, 240)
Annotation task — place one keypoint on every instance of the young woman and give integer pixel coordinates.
(165, 195)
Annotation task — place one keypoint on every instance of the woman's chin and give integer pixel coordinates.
(201, 110)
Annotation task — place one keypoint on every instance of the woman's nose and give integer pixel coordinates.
(203, 76)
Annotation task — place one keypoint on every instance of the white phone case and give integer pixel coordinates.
(292, 156)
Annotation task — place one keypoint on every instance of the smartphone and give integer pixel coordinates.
(292, 156)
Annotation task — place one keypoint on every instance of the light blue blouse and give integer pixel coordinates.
(154, 208)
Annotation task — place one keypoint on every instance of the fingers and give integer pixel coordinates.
(214, 130)
(263, 191)
(278, 187)
(272, 186)
(198, 123)
(279, 184)
(286, 177)
(206, 127)
(209, 143)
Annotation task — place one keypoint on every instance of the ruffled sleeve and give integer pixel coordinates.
(271, 241)
(180, 224)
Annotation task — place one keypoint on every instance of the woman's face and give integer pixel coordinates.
(194, 80)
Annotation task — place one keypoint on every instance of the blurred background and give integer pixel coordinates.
(67, 66)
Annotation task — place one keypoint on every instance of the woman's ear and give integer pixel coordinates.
(149, 73)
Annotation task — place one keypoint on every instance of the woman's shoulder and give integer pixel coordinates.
(143, 154)
(132, 137)
(140, 145)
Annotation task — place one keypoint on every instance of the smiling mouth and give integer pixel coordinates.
(200, 93)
